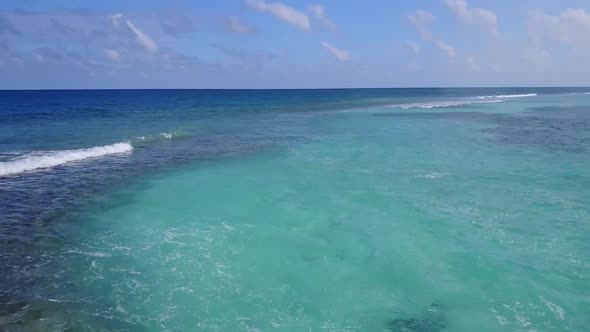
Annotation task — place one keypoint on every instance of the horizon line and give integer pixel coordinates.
(286, 89)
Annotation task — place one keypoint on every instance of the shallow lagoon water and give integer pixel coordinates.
(312, 217)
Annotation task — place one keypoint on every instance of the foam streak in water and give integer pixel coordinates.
(509, 96)
(55, 158)
(445, 104)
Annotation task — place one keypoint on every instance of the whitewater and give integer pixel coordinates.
(47, 159)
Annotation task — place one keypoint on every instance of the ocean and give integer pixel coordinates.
(295, 210)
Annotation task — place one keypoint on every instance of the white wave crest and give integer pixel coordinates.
(55, 158)
(442, 104)
(90, 253)
(431, 175)
(509, 96)
(166, 135)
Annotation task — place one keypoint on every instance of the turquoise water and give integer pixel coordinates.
(338, 210)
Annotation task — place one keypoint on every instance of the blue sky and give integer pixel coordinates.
(293, 44)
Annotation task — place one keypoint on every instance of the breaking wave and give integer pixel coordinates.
(48, 159)
(509, 96)
(443, 104)
(161, 137)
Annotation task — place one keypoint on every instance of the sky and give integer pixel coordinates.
(73, 44)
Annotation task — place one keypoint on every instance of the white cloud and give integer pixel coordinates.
(447, 49)
(282, 12)
(317, 11)
(177, 24)
(116, 19)
(340, 54)
(477, 16)
(577, 16)
(472, 64)
(495, 67)
(38, 57)
(9, 56)
(235, 25)
(141, 37)
(319, 14)
(112, 55)
(413, 46)
(421, 20)
(571, 26)
(537, 56)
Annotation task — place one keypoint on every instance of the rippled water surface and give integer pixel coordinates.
(302, 210)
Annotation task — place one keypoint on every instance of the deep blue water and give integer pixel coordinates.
(345, 210)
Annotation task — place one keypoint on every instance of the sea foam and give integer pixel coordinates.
(54, 158)
(443, 104)
(509, 96)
